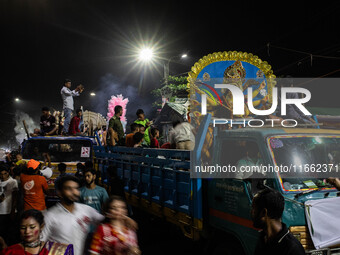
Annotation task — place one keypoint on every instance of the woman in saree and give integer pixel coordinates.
(117, 235)
(31, 225)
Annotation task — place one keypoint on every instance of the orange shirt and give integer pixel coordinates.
(129, 142)
(33, 187)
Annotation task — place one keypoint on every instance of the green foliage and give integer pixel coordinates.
(177, 87)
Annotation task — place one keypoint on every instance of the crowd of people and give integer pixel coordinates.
(142, 131)
(87, 219)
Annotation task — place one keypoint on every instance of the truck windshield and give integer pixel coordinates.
(305, 161)
(58, 150)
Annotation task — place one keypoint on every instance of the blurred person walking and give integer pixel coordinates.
(31, 225)
(70, 221)
(116, 235)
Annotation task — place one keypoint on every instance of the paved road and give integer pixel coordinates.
(157, 236)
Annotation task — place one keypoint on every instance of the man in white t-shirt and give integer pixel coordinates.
(69, 222)
(183, 135)
(8, 201)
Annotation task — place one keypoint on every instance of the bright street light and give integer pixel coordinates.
(145, 54)
(17, 99)
(167, 66)
(92, 94)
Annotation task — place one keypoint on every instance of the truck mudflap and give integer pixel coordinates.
(324, 251)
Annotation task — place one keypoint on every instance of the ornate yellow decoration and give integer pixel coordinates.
(234, 56)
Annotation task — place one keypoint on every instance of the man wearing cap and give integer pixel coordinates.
(67, 96)
(34, 187)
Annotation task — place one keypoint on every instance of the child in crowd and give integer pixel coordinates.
(155, 136)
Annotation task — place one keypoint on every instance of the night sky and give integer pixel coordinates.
(94, 43)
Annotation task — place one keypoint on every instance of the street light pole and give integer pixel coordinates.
(167, 67)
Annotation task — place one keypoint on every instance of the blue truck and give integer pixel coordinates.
(158, 181)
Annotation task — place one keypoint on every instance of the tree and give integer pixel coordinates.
(177, 87)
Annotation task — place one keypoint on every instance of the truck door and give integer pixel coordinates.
(230, 197)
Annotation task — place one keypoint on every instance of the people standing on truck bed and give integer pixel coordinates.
(129, 137)
(145, 123)
(67, 96)
(275, 238)
(74, 125)
(92, 194)
(48, 124)
(155, 136)
(115, 134)
(34, 187)
(182, 136)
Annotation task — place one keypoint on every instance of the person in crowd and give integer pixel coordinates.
(335, 182)
(36, 132)
(252, 158)
(182, 135)
(266, 214)
(3, 244)
(138, 139)
(74, 125)
(19, 159)
(8, 204)
(69, 221)
(47, 122)
(145, 123)
(116, 235)
(92, 194)
(34, 187)
(115, 135)
(31, 226)
(129, 137)
(67, 95)
(103, 133)
(155, 136)
(80, 174)
(62, 172)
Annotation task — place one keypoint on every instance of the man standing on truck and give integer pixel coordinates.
(275, 238)
(115, 135)
(67, 96)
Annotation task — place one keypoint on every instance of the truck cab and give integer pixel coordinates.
(229, 199)
(70, 150)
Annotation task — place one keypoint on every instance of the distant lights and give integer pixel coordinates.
(92, 94)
